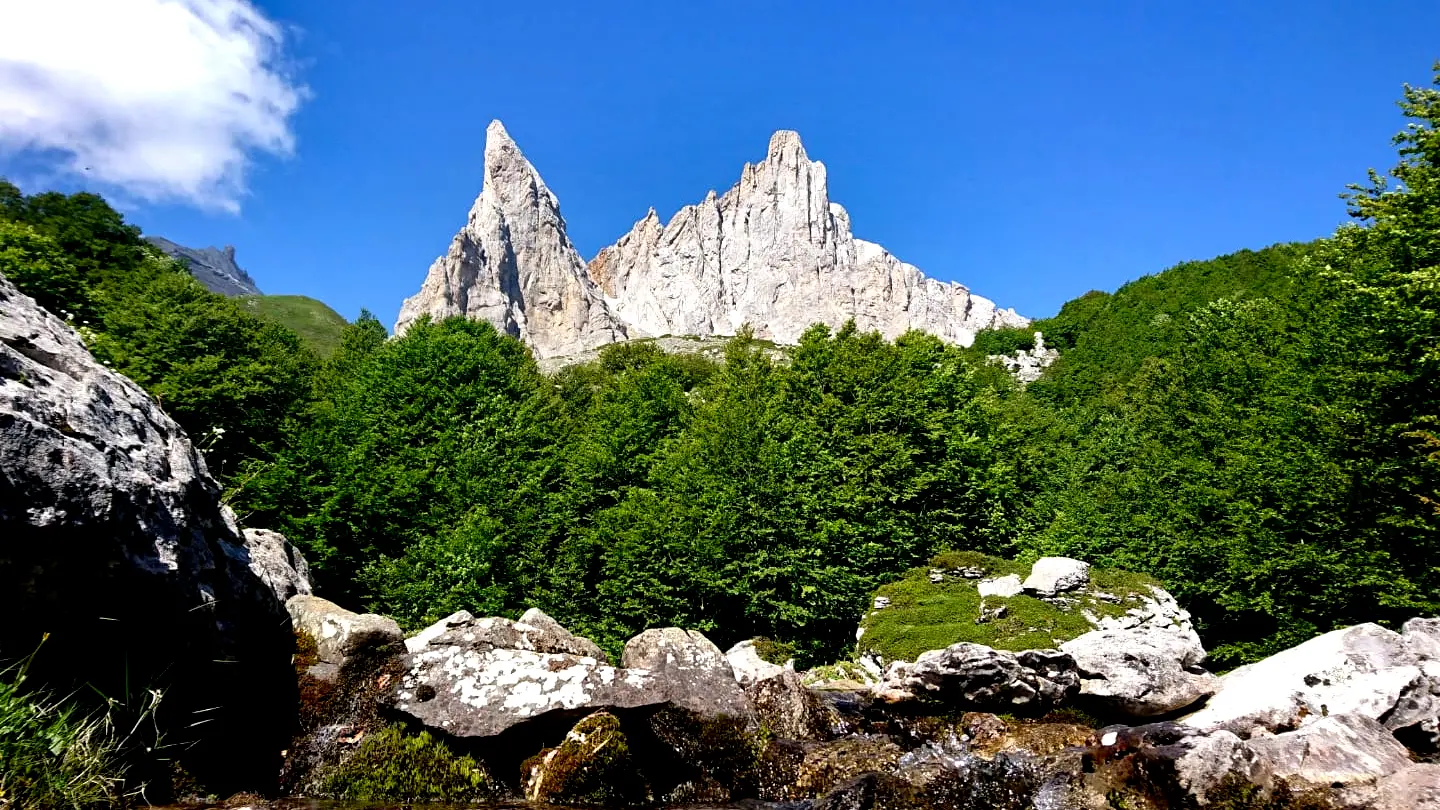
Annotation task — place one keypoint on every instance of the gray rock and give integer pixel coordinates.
(790, 711)
(481, 677)
(984, 679)
(1141, 673)
(535, 631)
(277, 563)
(749, 667)
(482, 691)
(423, 638)
(1415, 787)
(1335, 751)
(691, 669)
(1053, 575)
(216, 269)
(113, 540)
(1006, 586)
(1365, 670)
(1208, 759)
(513, 265)
(773, 252)
(340, 634)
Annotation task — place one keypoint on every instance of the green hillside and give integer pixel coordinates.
(317, 324)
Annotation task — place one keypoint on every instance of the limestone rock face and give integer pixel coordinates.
(775, 252)
(1365, 670)
(1142, 672)
(114, 541)
(977, 677)
(513, 265)
(694, 673)
(215, 268)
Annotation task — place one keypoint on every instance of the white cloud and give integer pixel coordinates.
(164, 99)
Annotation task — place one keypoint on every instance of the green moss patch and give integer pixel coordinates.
(392, 765)
(923, 615)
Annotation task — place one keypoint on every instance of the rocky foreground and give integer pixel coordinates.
(1347, 720)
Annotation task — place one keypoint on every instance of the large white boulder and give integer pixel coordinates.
(1364, 670)
(1054, 575)
(1336, 751)
(1143, 672)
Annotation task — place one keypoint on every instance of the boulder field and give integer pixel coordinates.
(1346, 723)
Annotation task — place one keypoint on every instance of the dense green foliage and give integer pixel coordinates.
(318, 326)
(1258, 431)
(231, 379)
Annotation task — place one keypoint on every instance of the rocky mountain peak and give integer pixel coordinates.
(774, 252)
(215, 268)
(513, 265)
(786, 149)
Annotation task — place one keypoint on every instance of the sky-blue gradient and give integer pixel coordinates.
(1031, 150)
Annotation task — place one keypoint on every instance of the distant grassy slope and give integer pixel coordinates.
(317, 324)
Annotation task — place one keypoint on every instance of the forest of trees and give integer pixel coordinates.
(1258, 431)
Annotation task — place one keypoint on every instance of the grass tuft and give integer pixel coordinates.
(55, 755)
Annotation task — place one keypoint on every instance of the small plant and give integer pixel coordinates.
(54, 755)
(391, 765)
(774, 652)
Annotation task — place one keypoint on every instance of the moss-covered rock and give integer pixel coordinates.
(939, 605)
(338, 709)
(392, 765)
(592, 766)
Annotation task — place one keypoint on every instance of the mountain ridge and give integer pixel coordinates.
(773, 252)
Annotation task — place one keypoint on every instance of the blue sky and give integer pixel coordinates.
(1032, 151)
